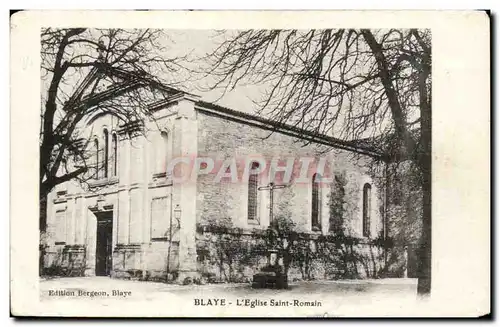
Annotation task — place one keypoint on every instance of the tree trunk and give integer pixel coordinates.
(425, 164)
(42, 197)
(43, 230)
(425, 247)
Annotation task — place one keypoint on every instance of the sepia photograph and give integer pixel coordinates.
(276, 169)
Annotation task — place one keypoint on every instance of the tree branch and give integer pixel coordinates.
(50, 183)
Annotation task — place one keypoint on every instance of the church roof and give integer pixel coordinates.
(274, 126)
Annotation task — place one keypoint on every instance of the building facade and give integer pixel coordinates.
(158, 182)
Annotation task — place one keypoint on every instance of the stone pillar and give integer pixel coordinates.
(114, 202)
(91, 230)
(80, 223)
(84, 220)
(83, 231)
(135, 222)
(137, 189)
(147, 171)
(74, 251)
(69, 221)
(73, 227)
(146, 204)
(185, 140)
(123, 193)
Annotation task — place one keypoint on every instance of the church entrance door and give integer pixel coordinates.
(104, 243)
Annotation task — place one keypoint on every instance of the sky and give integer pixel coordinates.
(197, 44)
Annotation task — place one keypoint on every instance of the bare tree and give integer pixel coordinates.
(87, 72)
(369, 87)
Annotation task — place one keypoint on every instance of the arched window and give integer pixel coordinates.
(114, 145)
(253, 180)
(106, 153)
(165, 152)
(96, 149)
(315, 203)
(367, 190)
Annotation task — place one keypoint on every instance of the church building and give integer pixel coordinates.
(158, 182)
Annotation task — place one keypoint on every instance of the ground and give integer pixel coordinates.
(337, 298)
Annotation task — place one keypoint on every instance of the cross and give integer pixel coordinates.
(271, 187)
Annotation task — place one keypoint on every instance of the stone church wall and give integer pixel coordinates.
(226, 139)
(227, 201)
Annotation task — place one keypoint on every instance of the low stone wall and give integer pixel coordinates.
(237, 256)
(65, 260)
(130, 261)
(146, 261)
